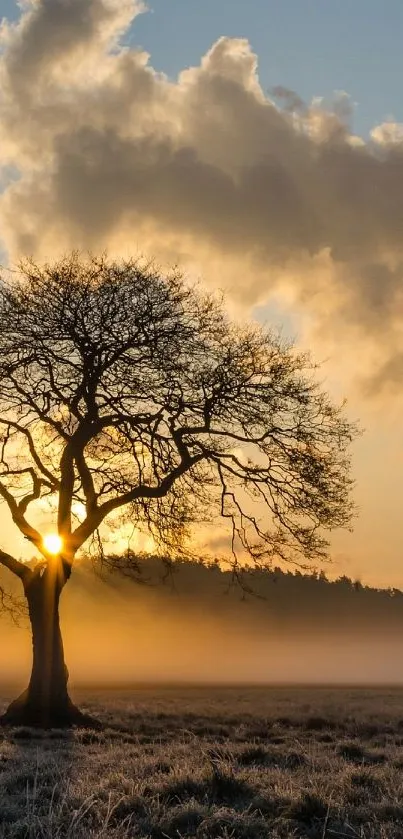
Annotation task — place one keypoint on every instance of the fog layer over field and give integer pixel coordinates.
(194, 628)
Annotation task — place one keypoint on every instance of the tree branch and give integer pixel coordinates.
(34, 454)
(18, 568)
(19, 519)
(142, 491)
(66, 491)
(87, 482)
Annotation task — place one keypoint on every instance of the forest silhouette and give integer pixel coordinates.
(286, 596)
(199, 625)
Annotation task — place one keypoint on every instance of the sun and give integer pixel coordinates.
(52, 543)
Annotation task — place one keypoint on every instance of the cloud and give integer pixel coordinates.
(54, 32)
(98, 150)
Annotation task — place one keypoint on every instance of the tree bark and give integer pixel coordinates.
(46, 702)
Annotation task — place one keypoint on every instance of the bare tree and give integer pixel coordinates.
(125, 390)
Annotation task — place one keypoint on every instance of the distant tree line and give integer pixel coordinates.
(286, 597)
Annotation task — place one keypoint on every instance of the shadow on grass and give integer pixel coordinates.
(35, 767)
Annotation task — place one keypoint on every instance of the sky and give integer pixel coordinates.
(315, 47)
(259, 146)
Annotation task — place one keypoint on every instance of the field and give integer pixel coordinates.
(237, 763)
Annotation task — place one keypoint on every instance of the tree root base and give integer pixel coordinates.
(24, 712)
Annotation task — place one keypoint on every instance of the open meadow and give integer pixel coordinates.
(237, 763)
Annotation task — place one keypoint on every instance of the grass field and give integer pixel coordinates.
(237, 763)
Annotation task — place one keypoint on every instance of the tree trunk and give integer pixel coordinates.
(46, 702)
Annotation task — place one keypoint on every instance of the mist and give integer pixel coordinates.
(196, 628)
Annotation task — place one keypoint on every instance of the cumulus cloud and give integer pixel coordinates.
(257, 193)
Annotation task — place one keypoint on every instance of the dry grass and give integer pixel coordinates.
(232, 763)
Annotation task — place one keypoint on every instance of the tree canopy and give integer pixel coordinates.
(122, 388)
